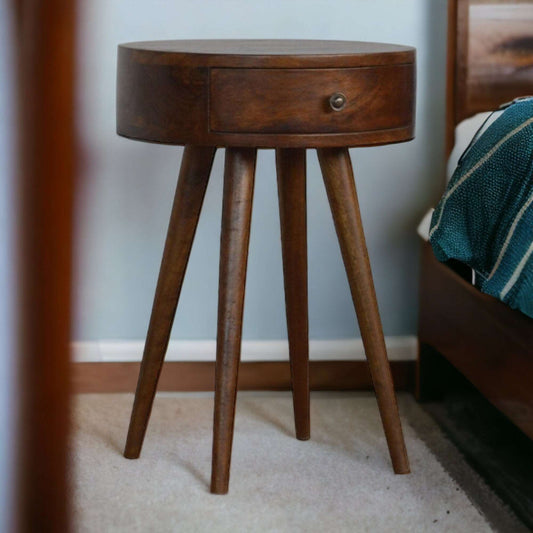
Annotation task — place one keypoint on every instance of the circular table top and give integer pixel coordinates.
(266, 93)
(271, 53)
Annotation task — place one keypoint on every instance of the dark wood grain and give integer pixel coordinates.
(273, 101)
(291, 172)
(340, 186)
(191, 92)
(488, 342)
(161, 103)
(44, 53)
(271, 53)
(234, 238)
(192, 184)
(451, 76)
(491, 48)
(500, 53)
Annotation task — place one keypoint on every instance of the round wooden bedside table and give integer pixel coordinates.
(243, 95)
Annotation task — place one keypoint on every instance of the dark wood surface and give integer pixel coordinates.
(499, 53)
(192, 184)
(340, 186)
(487, 341)
(260, 375)
(451, 76)
(265, 93)
(490, 56)
(44, 53)
(273, 101)
(271, 53)
(291, 172)
(239, 174)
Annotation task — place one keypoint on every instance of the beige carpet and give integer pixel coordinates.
(339, 481)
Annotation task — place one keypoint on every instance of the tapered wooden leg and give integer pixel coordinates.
(340, 186)
(192, 182)
(290, 164)
(236, 217)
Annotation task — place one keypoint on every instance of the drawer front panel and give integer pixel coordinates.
(299, 100)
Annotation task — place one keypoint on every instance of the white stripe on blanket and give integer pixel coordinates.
(510, 235)
(481, 162)
(517, 272)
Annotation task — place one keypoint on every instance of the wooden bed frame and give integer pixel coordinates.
(490, 61)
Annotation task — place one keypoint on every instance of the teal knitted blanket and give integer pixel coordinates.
(485, 217)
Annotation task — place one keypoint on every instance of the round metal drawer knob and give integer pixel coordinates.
(337, 101)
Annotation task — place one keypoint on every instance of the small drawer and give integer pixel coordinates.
(307, 101)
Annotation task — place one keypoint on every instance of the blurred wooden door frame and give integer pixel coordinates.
(45, 64)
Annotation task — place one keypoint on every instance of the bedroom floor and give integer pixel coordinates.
(492, 444)
(340, 480)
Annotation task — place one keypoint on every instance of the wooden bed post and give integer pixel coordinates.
(45, 58)
(451, 75)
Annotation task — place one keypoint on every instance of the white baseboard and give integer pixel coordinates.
(398, 348)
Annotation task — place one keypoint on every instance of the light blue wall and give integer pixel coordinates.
(6, 271)
(125, 197)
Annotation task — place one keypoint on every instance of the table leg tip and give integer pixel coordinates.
(132, 454)
(402, 470)
(218, 489)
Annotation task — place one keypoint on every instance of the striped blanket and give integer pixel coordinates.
(485, 217)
